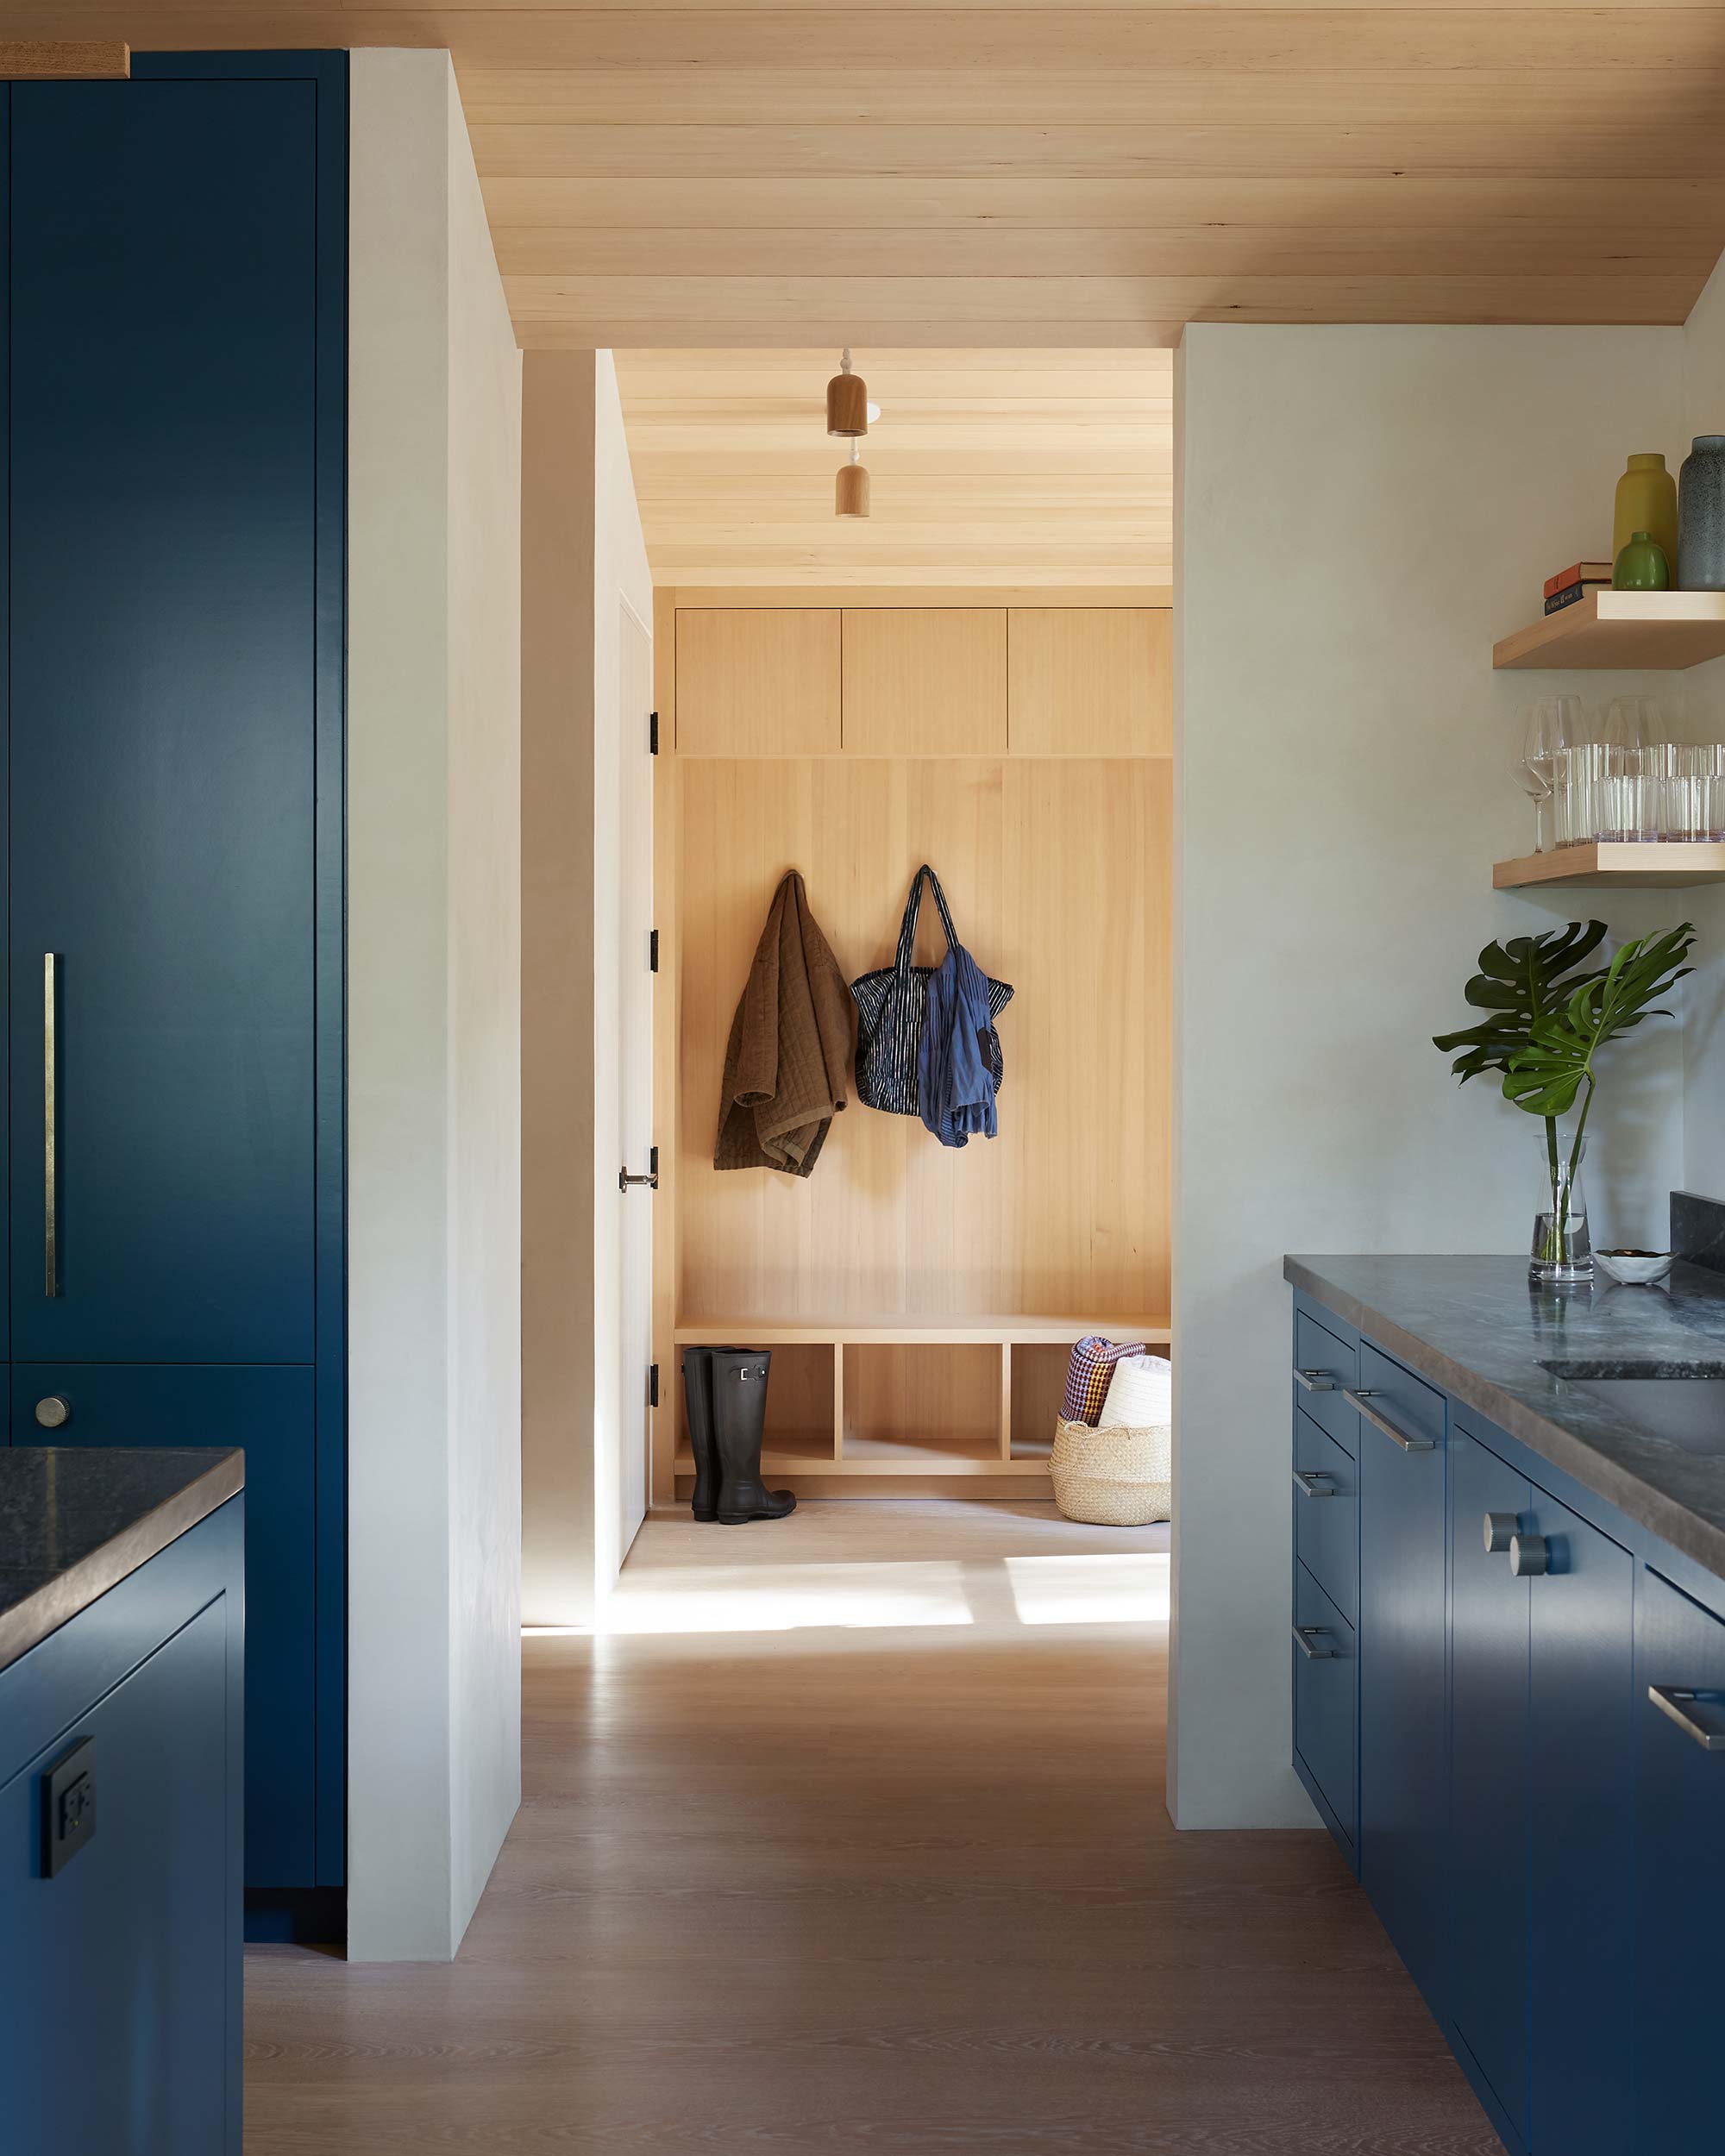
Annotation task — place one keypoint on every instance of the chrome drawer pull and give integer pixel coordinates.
(1398, 1437)
(1307, 1481)
(1674, 1700)
(1306, 1636)
(1313, 1380)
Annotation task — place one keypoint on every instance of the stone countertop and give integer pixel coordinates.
(1479, 1329)
(76, 1520)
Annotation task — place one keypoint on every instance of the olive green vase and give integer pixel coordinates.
(1646, 501)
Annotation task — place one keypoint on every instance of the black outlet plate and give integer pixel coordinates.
(68, 1806)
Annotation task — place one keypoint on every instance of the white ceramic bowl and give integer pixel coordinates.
(1636, 1272)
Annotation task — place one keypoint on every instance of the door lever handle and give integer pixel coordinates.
(626, 1183)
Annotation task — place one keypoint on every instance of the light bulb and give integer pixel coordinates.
(874, 414)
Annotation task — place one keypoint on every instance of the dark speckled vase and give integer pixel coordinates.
(1701, 516)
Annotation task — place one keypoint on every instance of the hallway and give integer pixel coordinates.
(850, 1837)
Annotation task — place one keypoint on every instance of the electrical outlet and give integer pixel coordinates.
(68, 1806)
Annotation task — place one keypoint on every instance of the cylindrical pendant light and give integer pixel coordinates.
(850, 488)
(847, 400)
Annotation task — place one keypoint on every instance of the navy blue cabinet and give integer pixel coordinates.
(1539, 1729)
(1679, 1817)
(1402, 1657)
(121, 2031)
(173, 500)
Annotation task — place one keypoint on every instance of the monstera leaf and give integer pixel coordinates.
(1544, 1076)
(1518, 983)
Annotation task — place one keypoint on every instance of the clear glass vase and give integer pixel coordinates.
(1563, 1251)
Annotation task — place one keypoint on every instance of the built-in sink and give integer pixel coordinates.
(1682, 1403)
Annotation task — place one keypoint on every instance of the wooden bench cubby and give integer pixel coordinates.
(966, 1398)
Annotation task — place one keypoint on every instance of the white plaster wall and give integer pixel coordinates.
(433, 957)
(1360, 513)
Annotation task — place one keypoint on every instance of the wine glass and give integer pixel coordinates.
(1547, 730)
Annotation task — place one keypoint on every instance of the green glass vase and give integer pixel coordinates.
(1641, 566)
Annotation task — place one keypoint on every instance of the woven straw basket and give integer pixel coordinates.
(1111, 1478)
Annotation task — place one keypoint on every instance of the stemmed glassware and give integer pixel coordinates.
(1549, 729)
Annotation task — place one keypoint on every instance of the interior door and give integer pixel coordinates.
(635, 1069)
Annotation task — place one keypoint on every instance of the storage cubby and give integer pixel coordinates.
(1039, 1379)
(800, 1407)
(908, 1407)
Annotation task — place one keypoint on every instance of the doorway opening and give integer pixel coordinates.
(976, 676)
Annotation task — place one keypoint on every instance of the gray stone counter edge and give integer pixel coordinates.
(1661, 1515)
(29, 1622)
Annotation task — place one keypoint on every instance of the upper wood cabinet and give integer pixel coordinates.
(757, 681)
(924, 681)
(1089, 681)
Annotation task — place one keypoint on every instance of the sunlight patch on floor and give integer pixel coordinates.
(1108, 1589)
(788, 1598)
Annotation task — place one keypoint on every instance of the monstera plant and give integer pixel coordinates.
(1547, 1015)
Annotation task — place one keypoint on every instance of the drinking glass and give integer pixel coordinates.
(1633, 729)
(1548, 729)
(1581, 786)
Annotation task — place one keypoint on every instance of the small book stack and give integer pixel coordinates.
(1575, 583)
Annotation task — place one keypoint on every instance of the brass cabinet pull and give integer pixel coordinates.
(50, 1172)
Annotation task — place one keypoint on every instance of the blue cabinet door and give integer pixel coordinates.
(116, 2028)
(268, 1412)
(1680, 1766)
(1404, 1765)
(162, 667)
(1581, 1727)
(1486, 1981)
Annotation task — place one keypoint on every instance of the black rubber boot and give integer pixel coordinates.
(739, 1417)
(698, 1397)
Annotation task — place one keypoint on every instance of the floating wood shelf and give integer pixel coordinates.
(1646, 867)
(964, 1398)
(1664, 630)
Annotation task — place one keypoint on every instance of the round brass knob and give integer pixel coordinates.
(54, 1411)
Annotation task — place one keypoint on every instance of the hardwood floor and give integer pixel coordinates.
(851, 1838)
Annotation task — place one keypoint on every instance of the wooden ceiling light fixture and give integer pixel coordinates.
(850, 488)
(848, 413)
(847, 400)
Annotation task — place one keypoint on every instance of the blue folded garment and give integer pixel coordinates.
(955, 1084)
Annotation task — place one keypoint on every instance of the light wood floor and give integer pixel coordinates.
(852, 1839)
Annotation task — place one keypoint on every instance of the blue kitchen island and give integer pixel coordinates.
(1508, 1650)
(121, 1774)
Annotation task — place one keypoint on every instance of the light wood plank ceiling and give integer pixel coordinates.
(1091, 176)
(989, 468)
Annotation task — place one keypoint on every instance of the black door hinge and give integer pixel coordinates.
(653, 951)
(653, 1386)
(652, 733)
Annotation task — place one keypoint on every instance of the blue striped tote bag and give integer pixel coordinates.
(890, 1005)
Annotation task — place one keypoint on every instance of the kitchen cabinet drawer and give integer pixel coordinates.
(1324, 1364)
(1413, 1409)
(1679, 1883)
(1324, 1670)
(1326, 1513)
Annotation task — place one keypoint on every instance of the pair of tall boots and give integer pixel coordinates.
(725, 1389)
